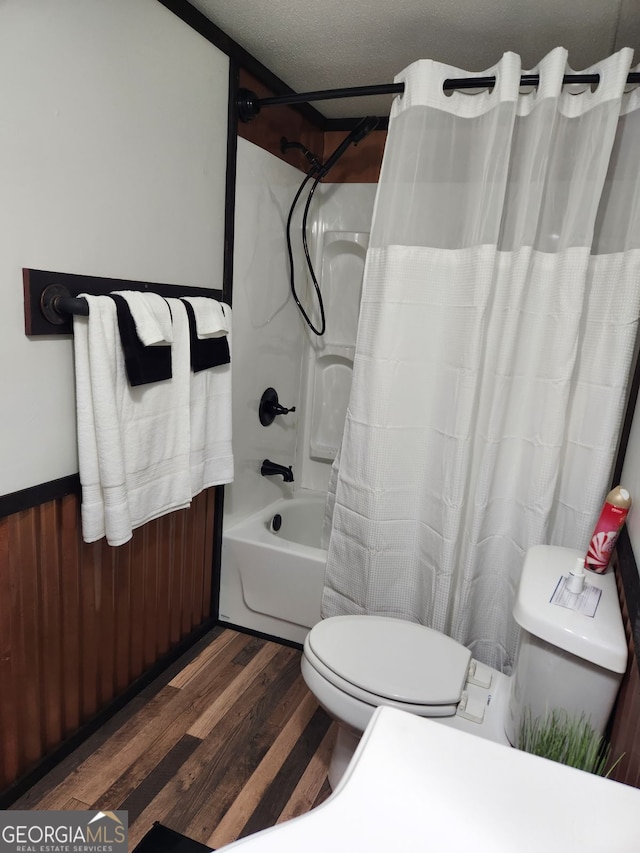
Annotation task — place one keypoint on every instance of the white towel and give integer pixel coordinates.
(211, 450)
(151, 316)
(134, 443)
(213, 318)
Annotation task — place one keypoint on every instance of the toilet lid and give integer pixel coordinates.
(392, 658)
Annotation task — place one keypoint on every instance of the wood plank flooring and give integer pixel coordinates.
(228, 741)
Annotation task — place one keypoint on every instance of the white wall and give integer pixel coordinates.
(267, 329)
(113, 118)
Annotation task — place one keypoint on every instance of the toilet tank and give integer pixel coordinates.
(567, 659)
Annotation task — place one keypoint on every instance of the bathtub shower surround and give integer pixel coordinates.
(268, 337)
(273, 583)
(342, 267)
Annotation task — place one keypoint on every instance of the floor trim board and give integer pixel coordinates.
(261, 635)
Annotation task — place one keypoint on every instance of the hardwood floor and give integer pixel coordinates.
(228, 741)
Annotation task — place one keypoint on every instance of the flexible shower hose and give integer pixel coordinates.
(316, 286)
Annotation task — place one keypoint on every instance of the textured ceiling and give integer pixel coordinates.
(321, 45)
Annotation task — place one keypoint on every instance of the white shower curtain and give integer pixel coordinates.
(497, 329)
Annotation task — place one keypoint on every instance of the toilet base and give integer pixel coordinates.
(344, 747)
(495, 699)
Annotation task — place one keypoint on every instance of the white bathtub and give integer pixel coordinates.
(272, 581)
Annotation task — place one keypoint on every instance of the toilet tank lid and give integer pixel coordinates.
(392, 658)
(599, 639)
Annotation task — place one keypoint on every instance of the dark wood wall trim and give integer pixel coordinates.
(230, 186)
(40, 494)
(215, 532)
(345, 124)
(624, 726)
(630, 580)
(202, 25)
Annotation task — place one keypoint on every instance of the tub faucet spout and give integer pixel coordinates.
(269, 468)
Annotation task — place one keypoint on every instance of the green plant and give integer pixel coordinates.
(568, 740)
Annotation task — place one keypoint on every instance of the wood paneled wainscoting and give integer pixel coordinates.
(80, 623)
(625, 721)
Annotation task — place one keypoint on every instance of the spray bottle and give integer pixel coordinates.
(607, 529)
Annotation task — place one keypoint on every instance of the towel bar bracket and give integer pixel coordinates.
(56, 303)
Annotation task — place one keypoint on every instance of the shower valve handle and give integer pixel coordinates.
(280, 410)
(270, 407)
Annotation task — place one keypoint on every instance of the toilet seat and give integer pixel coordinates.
(380, 660)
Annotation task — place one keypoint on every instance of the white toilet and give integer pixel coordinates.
(567, 659)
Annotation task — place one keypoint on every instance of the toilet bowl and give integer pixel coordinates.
(568, 659)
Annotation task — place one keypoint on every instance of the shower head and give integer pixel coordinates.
(364, 127)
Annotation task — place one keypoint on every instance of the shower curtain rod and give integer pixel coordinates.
(249, 105)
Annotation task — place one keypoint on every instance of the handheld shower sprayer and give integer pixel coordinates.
(362, 129)
(317, 172)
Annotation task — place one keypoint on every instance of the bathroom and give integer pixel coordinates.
(93, 200)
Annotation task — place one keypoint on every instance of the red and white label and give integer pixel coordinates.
(604, 537)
